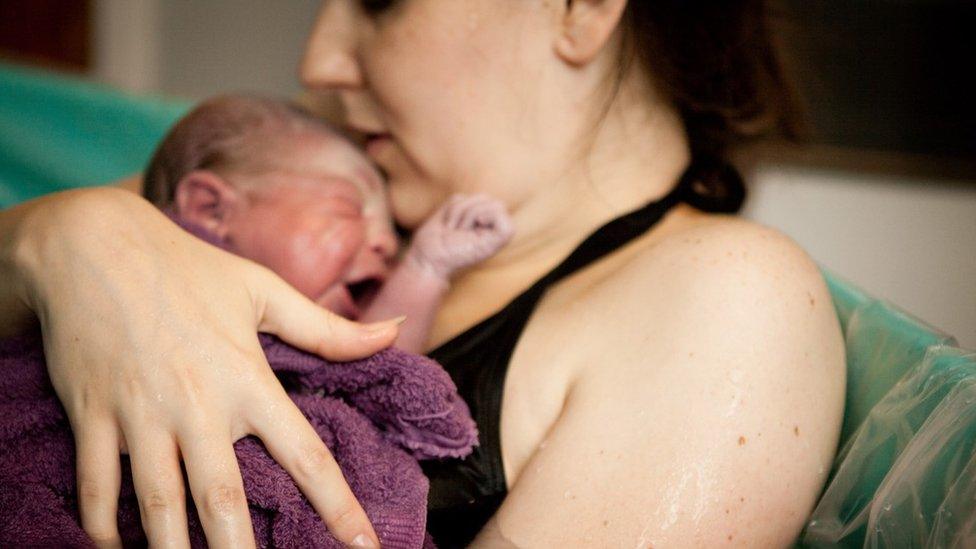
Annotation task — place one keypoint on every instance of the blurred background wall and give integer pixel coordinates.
(194, 48)
(885, 196)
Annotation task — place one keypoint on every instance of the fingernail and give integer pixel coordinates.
(364, 541)
(381, 326)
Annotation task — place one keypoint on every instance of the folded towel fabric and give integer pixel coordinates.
(376, 415)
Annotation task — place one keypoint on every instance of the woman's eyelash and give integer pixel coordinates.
(374, 7)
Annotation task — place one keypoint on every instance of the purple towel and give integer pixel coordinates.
(378, 416)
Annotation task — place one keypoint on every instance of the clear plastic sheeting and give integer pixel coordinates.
(906, 472)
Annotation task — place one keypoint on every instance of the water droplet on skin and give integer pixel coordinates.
(567, 494)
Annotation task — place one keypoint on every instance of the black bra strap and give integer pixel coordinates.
(614, 234)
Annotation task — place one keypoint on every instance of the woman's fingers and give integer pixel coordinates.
(99, 477)
(295, 445)
(294, 318)
(158, 481)
(217, 488)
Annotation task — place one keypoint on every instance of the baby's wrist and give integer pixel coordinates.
(423, 267)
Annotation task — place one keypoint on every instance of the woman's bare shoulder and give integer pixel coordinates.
(715, 262)
(709, 403)
(723, 245)
(706, 283)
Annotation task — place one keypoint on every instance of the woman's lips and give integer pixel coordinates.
(377, 142)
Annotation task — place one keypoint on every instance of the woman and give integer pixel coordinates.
(677, 378)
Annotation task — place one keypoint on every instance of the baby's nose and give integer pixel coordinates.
(384, 244)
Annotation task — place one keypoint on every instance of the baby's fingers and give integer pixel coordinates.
(490, 219)
(500, 220)
(99, 476)
(294, 444)
(447, 213)
(464, 208)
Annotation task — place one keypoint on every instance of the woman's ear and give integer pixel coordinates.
(587, 26)
(205, 199)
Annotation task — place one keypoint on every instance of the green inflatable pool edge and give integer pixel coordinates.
(60, 131)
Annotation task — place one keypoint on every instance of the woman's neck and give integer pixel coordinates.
(637, 155)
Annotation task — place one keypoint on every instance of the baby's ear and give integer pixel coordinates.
(204, 198)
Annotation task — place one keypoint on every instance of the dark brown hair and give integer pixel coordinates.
(228, 132)
(717, 63)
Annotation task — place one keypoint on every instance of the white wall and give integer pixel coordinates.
(233, 45)
(196, 48)
(127, 43)
(909, 240)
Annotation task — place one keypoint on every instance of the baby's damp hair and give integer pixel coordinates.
(227, 132)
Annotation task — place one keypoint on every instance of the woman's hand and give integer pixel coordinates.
(150, 338)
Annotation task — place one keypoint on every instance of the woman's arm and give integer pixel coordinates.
(14, 309)
(132, 183)
(710, 416)
(150, 338)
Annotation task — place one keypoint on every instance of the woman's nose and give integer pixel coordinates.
(330, 61)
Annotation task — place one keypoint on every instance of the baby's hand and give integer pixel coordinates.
(465, 230)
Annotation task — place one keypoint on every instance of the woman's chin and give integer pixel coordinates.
(412, 202)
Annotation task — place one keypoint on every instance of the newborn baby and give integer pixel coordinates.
(271, 183)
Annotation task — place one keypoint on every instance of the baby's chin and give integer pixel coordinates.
(338, 300)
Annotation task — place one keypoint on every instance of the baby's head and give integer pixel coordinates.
(279, 187)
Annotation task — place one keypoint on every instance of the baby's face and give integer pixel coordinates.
(323, 225)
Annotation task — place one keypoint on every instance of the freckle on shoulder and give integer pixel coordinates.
(725, 242)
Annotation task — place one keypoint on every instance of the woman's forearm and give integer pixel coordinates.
(31, 235)
(15, 312)
(132, 183)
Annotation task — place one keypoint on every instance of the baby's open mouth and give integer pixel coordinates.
(363, 291)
